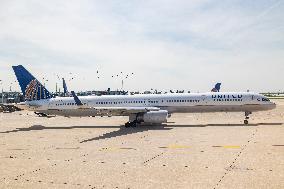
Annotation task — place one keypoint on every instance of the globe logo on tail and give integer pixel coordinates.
(36, 91)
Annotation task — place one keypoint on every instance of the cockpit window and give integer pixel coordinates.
(265, 99)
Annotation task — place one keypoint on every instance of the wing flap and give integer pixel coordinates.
(123, 111)
(126, 110)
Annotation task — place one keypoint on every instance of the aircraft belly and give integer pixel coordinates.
(219, 108)
(170, 109)
(81, 112)
(70, 112)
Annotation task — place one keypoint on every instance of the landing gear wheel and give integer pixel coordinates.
(127, 124)
(247, 117)
(133, 124)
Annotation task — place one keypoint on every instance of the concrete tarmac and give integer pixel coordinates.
(191, 151)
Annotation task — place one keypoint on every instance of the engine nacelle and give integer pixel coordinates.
(153, 117)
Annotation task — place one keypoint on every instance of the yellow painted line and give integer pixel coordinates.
(231, 147)
(178, 147)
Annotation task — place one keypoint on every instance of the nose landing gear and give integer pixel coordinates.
(247, 117)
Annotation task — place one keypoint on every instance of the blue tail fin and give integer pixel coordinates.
(216, 88)
(77, 100)
(31, 88)
(65, 87)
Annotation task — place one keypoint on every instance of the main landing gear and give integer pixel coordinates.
(134, 121)
(247, 117)
(131, 124)
(40, 114)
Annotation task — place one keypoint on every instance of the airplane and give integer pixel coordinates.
(141, 108)
(66, 93)
(65, 90)
(216, 88)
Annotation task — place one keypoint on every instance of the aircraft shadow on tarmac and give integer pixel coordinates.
(126, 131)
(41, 127)
(121, 132)
(225, 125)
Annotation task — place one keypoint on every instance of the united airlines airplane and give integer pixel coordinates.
(149, 109)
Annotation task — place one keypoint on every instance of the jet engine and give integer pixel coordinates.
(153, 117)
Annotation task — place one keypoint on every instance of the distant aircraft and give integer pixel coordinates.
(146, 108)
(216, 88)
(65, 90)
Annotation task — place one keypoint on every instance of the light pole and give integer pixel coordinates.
(60, 78)
(11, 87)
(123, 77)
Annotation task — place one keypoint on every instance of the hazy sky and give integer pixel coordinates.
(167, 44)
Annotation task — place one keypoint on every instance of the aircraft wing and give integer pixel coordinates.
(110, 111)
(123, 111)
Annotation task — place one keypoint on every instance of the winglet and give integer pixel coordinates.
(77, 100)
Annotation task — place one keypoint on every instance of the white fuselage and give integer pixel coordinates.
(173, 103)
